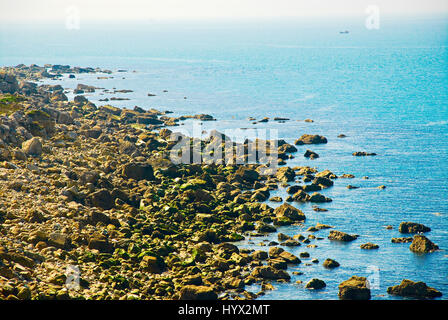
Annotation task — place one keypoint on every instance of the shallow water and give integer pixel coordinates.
(387, 90)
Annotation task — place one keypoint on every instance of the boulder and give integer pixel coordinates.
(40, 123)
(326, 174)
(369, 246)
(322, 181)
(315, 284)
(59, 240)
(246, 174)
(8, 83)
(270, 273)
(421, 244)
(355, 288)
(278, 264)
(401, 240)
(287, 148)
(138, 171)
(290, 212)
(64, 118)
(80, 88)
(32, 147)
(320, 226)
(289, 257)
(311, 154)
(264, 227)
(285, 174)
(274, 252)
(5, 154)
(98, 216)
(330, 264)
(58, 96)
(152, 264)
(301, 196)
(101, 199)
(101, 244)
(319, 198)
(311, 187)
(27, 88)
(293, 189)
(192, 292)
(127, 147)
(412, 227)
(341, 236)
(408, 288)
(93, 133)
(310, 139)
(259, 255)
(363, 154)
(80, 100)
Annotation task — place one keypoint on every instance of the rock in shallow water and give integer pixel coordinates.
(355, 288)
(311, 154)
(341, 236)
(412, 227)
(369, 246)
(315, 284)
(330, 264)
(401, 240)
(408, 288)
(310, 139)
(421, 244)
(363, 154)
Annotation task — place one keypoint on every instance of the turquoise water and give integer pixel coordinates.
(386, 89)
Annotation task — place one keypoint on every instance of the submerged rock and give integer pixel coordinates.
(363, 153)
(401, 240)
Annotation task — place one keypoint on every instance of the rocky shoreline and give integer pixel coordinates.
(92, 190)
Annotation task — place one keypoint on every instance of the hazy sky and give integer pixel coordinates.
(57, 10)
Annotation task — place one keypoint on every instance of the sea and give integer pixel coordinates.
(386, 89)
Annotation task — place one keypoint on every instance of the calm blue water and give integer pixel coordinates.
(386, 89)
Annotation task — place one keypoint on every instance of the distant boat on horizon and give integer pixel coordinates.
(344, 32)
